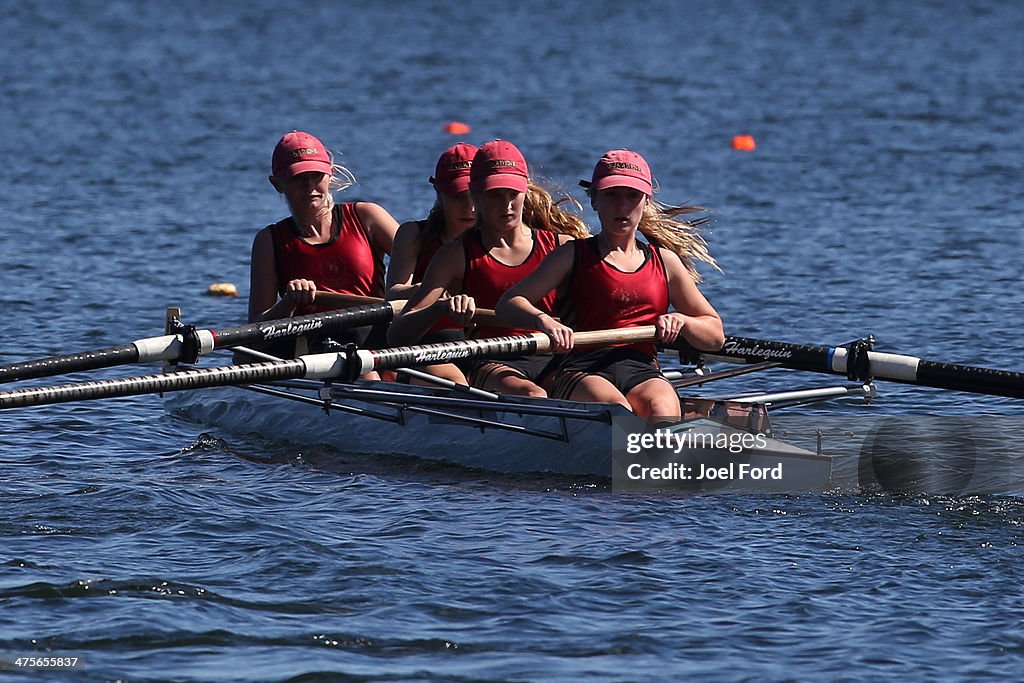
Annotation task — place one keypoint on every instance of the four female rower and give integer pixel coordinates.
(517, 225)
(613, 280)
(496, 239)
(417, 241)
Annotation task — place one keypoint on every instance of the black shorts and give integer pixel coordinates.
(623, 366)
(532, 368)
(441, 336)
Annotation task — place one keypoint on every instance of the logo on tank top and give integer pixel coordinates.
(625, 297)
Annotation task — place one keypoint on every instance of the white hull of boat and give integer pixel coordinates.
(572, 439)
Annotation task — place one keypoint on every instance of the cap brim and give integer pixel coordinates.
(623, 181)
(500, 181)
(303, 167)
(451, 187)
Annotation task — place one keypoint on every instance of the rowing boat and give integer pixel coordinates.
(517, 434)
(725, 443)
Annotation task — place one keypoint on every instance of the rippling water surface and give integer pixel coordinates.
(884, 198)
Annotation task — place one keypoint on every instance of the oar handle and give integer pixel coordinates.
(626, 335)
(345, 300)
(338, 299)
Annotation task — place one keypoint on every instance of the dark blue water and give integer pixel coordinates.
(884, 197)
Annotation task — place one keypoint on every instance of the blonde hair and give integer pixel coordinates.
(660, 225)
(542, 212)
(341, 177)
(341, 180)
(682, 237)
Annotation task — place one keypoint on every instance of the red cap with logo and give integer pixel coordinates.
(499, 164)
(299, 152)
(621, 168)
(451, 176)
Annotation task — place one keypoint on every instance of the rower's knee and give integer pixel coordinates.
(524, 388)
(656, 406)
(532, 391)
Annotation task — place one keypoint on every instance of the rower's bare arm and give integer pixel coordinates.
(430, 301)
(380, 224)
(404, 254)
(263, 301)
(518, 305)
(701, 325)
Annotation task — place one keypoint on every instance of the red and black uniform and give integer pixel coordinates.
(486, 279)
(349, 263)
(604, 298)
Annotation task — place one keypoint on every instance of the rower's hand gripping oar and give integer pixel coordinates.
(190, 343)
(346, 365)
(859, 362)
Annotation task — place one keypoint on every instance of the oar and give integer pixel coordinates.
(345, 365)
(338, 299)
(193, 343)
(857, 362)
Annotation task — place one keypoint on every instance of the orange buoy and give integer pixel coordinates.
(222, 289)
(744, 143)
(456, 128)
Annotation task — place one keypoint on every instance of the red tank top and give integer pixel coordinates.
(427, 252)
(486, 278)
(605, 298)
(349, 264)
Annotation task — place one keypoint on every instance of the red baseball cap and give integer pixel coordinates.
(451, 176)
(499, 164)
(621, 168)
(299, 152)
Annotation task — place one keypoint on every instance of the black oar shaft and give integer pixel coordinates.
(887, 366)
(330, 321)
(172, 347)
(470, 349)
(76, 362)
(494, 347)
(971, 379)
(198, 378)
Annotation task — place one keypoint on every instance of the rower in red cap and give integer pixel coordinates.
(614, 280)
(517, 224)
(417, 241)
(323, 244)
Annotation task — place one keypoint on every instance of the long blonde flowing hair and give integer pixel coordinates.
(542, 212)
(662, 228)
